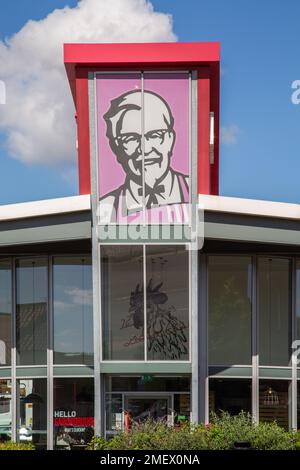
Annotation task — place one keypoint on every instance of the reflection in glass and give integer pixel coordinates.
(32, 412)
(298, 298)
(5, 410)
(144, 408)
(73, 310)
(298, 405)
(31, 310)
(231, 395)
(182, 408)
(229, 310)
(73, 412)
(274, 307)
(122, 302)
(147, 383)
(274, 402)
(5, 312)
(167, 303)
(114, 412)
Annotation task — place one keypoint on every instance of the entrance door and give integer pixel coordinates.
(143, 407)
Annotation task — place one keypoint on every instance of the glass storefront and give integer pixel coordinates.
(5, 410)
(122, 302)
(73, 412)
(298, 405)
(73, 310)
(134, 399)
(5, 312)
(167, 303)
(298, 299)
(58, 289)
(31, 310)
(274, 311)
(32, 412)
(230, 395)
(229, 310)
(274, 402)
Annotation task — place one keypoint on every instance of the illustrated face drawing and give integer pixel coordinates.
(132, 133)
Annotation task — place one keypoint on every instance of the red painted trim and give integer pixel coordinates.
(81, 58)
(138, 55)
(203, 130)
(142, 53)
(83, 132)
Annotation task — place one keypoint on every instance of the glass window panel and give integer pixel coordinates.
(31, 309)
(298, 405)
(5, 410)
(229, 310)
(32, 412)
(148, 383)
(182, 409)
(122, 302)
(73, 412)
(231, 395)
(274, 311)
(298, 298)
(114, 412)
(274, 402)
(167, 303)
(5, 312)
(73, 310)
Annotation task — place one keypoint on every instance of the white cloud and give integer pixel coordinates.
(74, 296)
(79, 295)
(229, 134)
(38, 118)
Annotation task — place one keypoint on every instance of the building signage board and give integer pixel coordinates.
(143, 147)
(145, 153)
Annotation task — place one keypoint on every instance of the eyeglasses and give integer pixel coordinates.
(133, 139)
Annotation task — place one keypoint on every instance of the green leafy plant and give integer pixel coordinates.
(226, 430)
(221, 434)
(10, 445)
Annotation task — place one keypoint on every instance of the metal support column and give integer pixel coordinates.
(13, 357)
(203, 342)
(50, 381)
(98, 390)
(255, 354)
(293, 385)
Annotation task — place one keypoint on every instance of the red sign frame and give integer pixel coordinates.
(80, 59)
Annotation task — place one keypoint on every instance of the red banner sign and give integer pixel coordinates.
(73, 421)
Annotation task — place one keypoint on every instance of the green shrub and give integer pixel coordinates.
(221, 434)
(226, 429)
(270, 436)
(97, 443)
(9, 445)
(297, 440)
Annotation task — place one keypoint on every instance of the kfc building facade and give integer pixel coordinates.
(148, 294)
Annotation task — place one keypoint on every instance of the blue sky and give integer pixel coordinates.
(259, 60)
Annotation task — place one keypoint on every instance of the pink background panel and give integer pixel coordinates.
(108, 87)
(174, 88)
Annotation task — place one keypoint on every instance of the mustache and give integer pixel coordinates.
(138, 157)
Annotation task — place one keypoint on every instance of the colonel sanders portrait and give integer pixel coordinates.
(143, 144)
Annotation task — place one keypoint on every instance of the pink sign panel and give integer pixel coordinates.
(143, 147)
